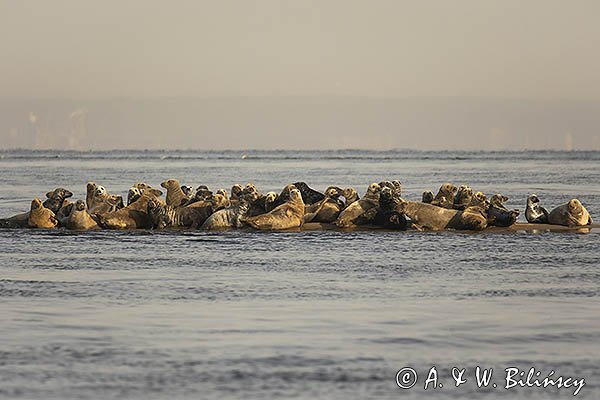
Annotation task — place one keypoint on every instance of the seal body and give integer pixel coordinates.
(389, 215)
(535, 213)
(40, 216)
(571, 214)
(432, 217)
(175, 196)
(228, 217)
(326, 210)
(79, 218)
(463, 197)
(164, 216)
(285, 216)
(134, 216)
(361, 211)
(309, 195)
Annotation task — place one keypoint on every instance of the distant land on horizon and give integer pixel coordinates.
(300, 122)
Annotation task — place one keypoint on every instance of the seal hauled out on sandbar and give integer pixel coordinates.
(432, 217)
(535, 213)
(40, 216)
(175, 196)
(571, 214)
(285, 216)
(80, 219)
(364, 207)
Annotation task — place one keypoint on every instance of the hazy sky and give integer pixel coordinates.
(508, 48)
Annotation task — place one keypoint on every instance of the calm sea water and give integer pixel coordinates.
(241, 315)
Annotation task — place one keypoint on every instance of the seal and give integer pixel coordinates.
(535, 213)
(326, 210)
(63, 214)
(80, 219)
(427, 197)
(498, 214)
(175, 196)
(361, 211)
(571, 214)
(285, 216)
(236, 191)
(164, 216)
(40, 216)
(187, 190)
(388, 216)
(55, 199)
(428, 216)
(480, 200)
(309, 195)
(350, 195)
(463, 198)
(445, 196)
(145, 188)
(228, 217)
(133, 194)
(134, 216)
(102, 202)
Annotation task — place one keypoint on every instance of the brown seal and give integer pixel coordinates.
(40, 216)
(326, 210)
(175, 196)
(285, 216)
(134, 216)
(445, 196)
(428, 216)
(571, 214)
(80, 219)
(361, 209)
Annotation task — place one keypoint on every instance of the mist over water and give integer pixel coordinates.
(234, 314)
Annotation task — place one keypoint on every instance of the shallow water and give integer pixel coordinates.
(296, 315)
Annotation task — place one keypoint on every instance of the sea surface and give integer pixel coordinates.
(297, 315)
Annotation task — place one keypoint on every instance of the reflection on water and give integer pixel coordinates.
(303, 315)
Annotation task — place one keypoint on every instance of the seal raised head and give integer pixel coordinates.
(535, 213)
(40, 216)
(389, 214)
(463, 197)
(326, 210)
(571, 214)
(79, 218)
(445, 196)
(427, 197)
(361, 211)
(175, 196)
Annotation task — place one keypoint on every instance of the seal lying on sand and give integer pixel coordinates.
(101, 202)
(364, 207)
(498, 214)
(571, 214)
(535, 213)
(63, 214)
(40, 216)
(388, 215)
(175, 196)
(229, 217)
(350, 195)
(134, 216)
(164, 216)
(80, 219)
(326, 210)
(432, 217)
(54, 202)
(285, 216)
(445, 196)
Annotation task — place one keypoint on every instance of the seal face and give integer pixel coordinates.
(463, 198)
(285, 216)
(571, 214)
(187, 190)
(350, 195)
(535, 213)
(80, 219)
(427, 197)
(56, 198)
(445, 196)
(40, 216)
(389, 214)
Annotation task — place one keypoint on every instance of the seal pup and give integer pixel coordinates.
(40, 216)
(285, 216)
(388, 216)
(428, 216)
(535, 213)
(365, 207)
(445, 196)
(326, 210)
(571, 214)
(80, 219)
(463, 198)
(309, 195)
(164, 216)
(175, 196)
(427, 197)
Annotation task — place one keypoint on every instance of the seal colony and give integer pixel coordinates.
(297, 206)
